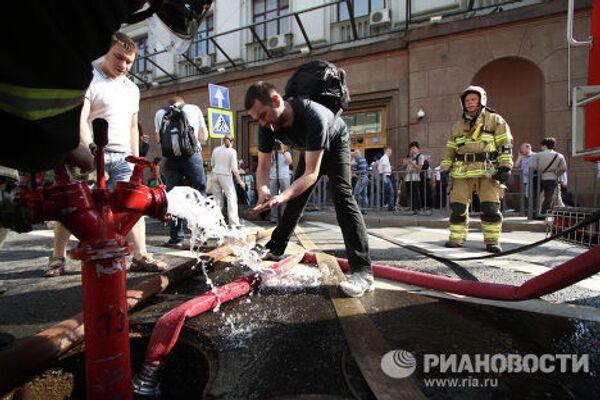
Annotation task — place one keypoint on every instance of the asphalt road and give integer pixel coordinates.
(410, 318)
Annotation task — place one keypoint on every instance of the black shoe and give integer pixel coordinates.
(493, 248)
(452, 245)
(273, 256)
(174, 244)
(267, 254)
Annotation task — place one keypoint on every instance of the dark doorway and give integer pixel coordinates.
(515, 89)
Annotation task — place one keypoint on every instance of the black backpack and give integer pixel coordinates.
(174, 125)
(320, 81)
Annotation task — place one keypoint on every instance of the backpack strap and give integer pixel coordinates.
(551, 162)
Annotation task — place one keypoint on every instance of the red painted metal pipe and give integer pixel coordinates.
(100, 223)
(560, 277)
(167, 329)
(592, 114)
(107, 359)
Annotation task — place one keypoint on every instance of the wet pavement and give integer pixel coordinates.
(288, 342)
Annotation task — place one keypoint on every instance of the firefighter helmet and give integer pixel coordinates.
(474, 89)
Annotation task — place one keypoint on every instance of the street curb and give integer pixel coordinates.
(437, 223)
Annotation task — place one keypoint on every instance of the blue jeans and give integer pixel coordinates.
(175, 169)
(117, 168)
(388, 193)
(361, 191)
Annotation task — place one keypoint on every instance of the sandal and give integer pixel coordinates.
(147, 263)
(55, 267)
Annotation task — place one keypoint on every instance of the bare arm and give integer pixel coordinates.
(235, 171)
(202, 134)
(135, 136)
(85, 133)
(262, 176)
(311, 175)
(300, 185)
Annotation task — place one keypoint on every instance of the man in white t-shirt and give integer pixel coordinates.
(385, 170)
(112, 96)
(188, 166)
(224, 163)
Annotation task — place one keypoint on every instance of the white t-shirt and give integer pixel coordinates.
(384, 165)
(192, 114)
(115, 100)
(224, 160)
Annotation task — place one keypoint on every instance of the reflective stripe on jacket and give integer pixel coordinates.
(489, 132)
(34, 103)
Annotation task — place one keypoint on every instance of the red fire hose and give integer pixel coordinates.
(562, 276)
(167, 329)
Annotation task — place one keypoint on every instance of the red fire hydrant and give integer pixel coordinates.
(100, 220)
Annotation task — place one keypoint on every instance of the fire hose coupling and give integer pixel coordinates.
(147, 382)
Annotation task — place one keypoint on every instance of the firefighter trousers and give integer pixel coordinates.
(490, 191)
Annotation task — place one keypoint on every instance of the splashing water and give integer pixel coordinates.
(204, 218)
(296, 279)
(206, 222)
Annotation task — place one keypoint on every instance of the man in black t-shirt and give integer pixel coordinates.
(322, 138)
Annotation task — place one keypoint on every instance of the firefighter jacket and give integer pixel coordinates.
(476, 149)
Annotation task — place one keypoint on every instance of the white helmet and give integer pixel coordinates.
(474, 89)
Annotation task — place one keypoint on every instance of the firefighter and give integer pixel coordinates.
(49, 47)
(479, 159)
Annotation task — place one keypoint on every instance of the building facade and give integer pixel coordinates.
(406, 64)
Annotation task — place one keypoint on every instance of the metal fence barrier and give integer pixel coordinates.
(430, 193)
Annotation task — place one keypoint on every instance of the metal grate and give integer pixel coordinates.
(563, 218)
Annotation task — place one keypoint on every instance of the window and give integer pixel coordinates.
(201, 46)
(141, 64)
(363, 122)
(264, 10)
(361, 8)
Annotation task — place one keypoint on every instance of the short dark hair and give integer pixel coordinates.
(549, 142)
(413, 144)
(260, 91)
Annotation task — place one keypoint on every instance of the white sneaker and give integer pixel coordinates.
(358, 284)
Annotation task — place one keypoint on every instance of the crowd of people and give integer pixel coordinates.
(475, 169)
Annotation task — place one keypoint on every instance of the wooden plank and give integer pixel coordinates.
(366, 343)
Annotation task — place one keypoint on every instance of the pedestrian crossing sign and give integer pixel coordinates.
(220, 123)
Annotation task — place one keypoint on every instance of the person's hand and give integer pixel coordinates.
(81, 157)
(242, 185)
(260, 206)
(502, 175)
